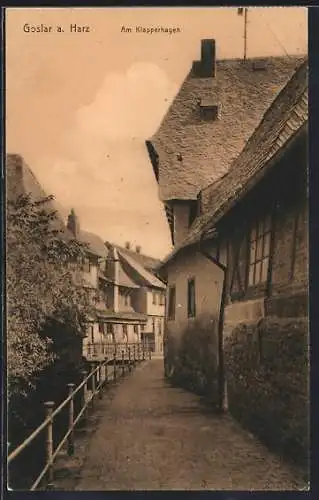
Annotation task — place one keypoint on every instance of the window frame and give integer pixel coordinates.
(109, 328)
(259, 243)
(171, 309)
(154, 298)
(191, 299)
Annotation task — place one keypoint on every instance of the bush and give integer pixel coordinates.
(192, 361)
(267, 383)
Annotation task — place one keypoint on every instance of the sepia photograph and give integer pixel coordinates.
(157, 284)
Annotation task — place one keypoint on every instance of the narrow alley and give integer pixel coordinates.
(146, 435)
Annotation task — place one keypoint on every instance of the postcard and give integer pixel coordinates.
(157, 249)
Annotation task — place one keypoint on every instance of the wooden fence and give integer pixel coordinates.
(121, 360)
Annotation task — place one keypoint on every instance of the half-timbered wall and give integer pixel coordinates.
(267, 235)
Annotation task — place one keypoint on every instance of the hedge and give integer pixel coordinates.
(191, 359)
(267, 383)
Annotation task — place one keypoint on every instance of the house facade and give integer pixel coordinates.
(241, 275)
(139, 292)
(260, 238)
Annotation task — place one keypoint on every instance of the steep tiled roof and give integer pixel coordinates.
(139, 273)
(94, 242)
(187, 152)
(146, 261)
(283, 120)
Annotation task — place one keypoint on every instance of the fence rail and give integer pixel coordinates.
(102, 349)
(119, 357)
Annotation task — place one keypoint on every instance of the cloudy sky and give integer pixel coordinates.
(80, 105)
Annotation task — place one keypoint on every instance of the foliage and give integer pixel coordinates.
(192, 361)
(267, 382)
(42, 285)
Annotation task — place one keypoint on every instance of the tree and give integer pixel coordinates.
(44, 285)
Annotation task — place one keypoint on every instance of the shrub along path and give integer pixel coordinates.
(150, 436)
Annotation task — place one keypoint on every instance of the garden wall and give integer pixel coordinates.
(267, 383)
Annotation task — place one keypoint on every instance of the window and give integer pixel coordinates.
(171, 302)
(154, 325)
(208, 110)
(127, 299)
(259, 252)
(191, 309)
(86, 265)
(109, 328)
(160, 327)
(124, 329)
(136, 329)
(154, 298)
(91, 333)
(101, 327)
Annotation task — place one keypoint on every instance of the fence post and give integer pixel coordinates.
(71, 419)
(129, 359)
(49, 444)
(100, 379)
(134, 355)
(93, 379)
(114, 365)
(105, 371)
(150, 353)
(123, 366)
(143, 351)
(84, 393)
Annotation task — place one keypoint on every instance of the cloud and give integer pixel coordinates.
(104, 165)
(127, 104)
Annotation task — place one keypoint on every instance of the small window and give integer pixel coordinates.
(191, 302)
(136, 329)
(208, 110)
(259, 252)
(160, 327)
(86, 265)
(171, 302)
(127, 299)
(124, 329)
(154, 298)
(109, 328)
(101, 327)
(91, 333)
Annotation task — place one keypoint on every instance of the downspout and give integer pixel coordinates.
(221, 367)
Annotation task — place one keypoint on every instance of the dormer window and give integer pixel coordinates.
(209, 110)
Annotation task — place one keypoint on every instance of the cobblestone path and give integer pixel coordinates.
(150, 436)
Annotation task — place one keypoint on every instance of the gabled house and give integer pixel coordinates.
(217, 108)
(138, 293)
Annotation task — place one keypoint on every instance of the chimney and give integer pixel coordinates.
(128, 245)
(206, 67)
(138, 249)
(73, 223)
